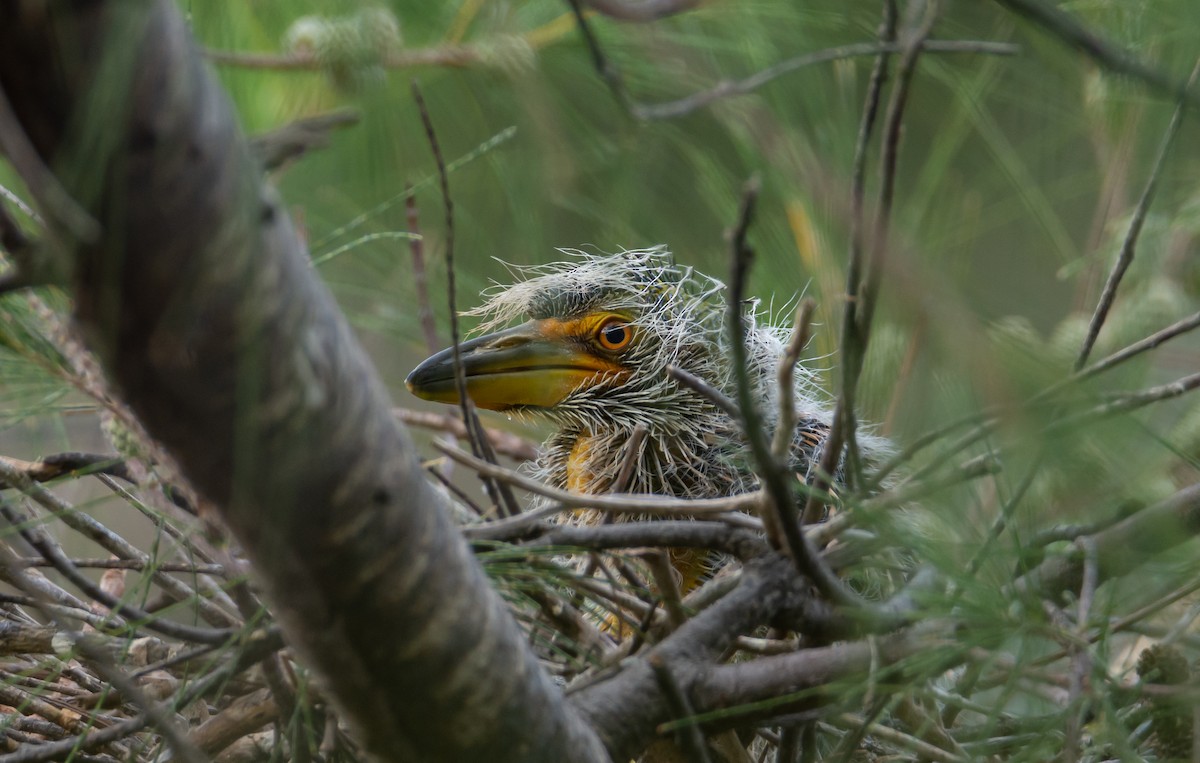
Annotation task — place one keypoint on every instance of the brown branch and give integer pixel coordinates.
(1120, 548)
(291, 141)
(378, 592)
(1071, 32)
(641, 10)
(1129, 244)
(843, 413)
(243, 716)
(505, 443)
(453, 56)
(499, 492)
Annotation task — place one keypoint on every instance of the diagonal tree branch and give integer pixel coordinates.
(199, 301)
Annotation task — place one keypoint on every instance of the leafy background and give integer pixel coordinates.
(1016, 182)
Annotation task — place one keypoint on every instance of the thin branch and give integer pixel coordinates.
(56, 202)
(621, 504)
(420, 281)
(291, 141)
(103, 664)
(631, 458)
(500, 493)
(705, 390)
(726, 89)
(54, 554)
(1081, 662)
(915, 35)
(843, 415)
(785, 428)
(668, 588)
(1105, 53)
(1129, 244)
(505, 443)
(447, 55)
(689, 736)
(641, 10)
(774, 475)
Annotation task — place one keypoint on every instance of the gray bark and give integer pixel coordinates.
(198, 299)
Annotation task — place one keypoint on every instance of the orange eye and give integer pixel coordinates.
(614, 334)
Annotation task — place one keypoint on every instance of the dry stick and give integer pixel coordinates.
(448, 55)
(814, 508)
(40, 180)
(71, 746)
(785, 430)
(500, 493)
(705, 390)
(988, 419)
(1065, 27)
(668, 589)
(688, 104)
(643, 10)
(102, 663)
(689, 735)
(420, 282)
(725, 89)
(1129, 245)
(621, 504)
(778, 498)
(1080, 658)
(54, 554)
(505, 443)
(889, 156)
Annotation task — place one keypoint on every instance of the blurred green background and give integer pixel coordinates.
(1015, 172)
(1016, 179)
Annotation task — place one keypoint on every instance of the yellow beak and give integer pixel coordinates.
(531, 365)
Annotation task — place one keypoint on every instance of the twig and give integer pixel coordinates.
(132, 564)
(689, 104)
(844, 410)
(291, 141)
(1065, 27)
(420, 282)
(631, 458)
(1129, 244)
(42, 183)
(448, 55)
(689, 735)
(505, 443)
(500, 494)
(668, 588)
(54, 554)
(641, 10)
(774, 475)
(880, 244)
(785, 428)
(1129, 402)
(705, 390)
(899, 738)
(622, 504)
(1149, 343)
(741, 543)
(103, 664)
(1081, 662)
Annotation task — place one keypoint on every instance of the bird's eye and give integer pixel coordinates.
(614, 334)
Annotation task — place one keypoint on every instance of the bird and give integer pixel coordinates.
(595, 337)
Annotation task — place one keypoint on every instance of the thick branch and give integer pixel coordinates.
(200, 303)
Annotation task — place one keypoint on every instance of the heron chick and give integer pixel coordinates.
(592, 356)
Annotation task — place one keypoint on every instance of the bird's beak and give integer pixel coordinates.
(533, 364)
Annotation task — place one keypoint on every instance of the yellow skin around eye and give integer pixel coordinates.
(536, 364)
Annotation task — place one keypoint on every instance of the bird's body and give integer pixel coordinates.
(601, 332)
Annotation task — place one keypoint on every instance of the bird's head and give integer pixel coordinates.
(599, 332)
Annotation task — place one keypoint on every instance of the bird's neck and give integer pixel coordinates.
(581, 476)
